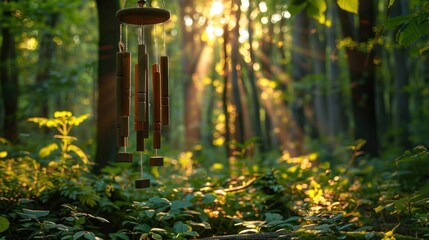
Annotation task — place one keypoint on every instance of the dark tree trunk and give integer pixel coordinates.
(401, 117)
(239, 122)
(336, 106)
(301, 67)
(362, 77)
(46, 55)
(225, 92)
(106, 115)
(318, 91)
(9, 83)
(191, 53)
(256, 115)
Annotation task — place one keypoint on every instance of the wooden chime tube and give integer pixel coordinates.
(146, 123)
(164, 88)
(141, 91)
(120, 140)
(126, 94)
(138, 125)
(156, 92)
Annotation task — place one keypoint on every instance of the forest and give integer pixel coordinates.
(288, 119)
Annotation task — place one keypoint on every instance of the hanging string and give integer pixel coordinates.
(144, 38)
(141, 165)
(140, 35)
(156, 43)
(126, 37)
(163, 40)
(120, 43)
(163, 33)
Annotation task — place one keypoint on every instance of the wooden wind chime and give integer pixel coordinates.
(141, 16)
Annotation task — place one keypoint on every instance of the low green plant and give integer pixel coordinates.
(38, 224)
(159, 218)
(62, 152)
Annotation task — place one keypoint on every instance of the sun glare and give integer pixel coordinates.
(217, 8)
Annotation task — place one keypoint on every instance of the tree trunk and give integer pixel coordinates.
(46, 55)
(9, 83)
(401, 117)
(225, 95)
(254, 94)
(362, 77)
(335, 104)
(300, 68)
(239, 122)
(106, 115)
(319, 89)
(192, 50)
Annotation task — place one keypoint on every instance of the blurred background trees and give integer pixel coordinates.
(248, 78)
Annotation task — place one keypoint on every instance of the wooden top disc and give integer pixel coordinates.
(143, 15)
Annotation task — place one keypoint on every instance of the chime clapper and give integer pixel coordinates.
(142, 182)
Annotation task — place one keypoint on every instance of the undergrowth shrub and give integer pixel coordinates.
(51, 193)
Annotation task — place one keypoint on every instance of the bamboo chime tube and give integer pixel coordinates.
(123, 97)
(156, 86)
(138, 125)
(141, 94)
(165, 98)
(146, 123)
(126, 94)
(120, 140)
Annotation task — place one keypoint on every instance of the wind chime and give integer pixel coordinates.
(141, 16)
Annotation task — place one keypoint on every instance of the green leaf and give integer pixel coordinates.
(369, 235)
(296, 7)
(379, 209)
(28, 213)
(409, 33)
(179, 204)
(49, 225)
(396, 21)
(4, 224)
(101, 219)
(89, 235)
(205, 225)
(180, 227)
(391, 2)
(144, 228)
(349, 5)
(156, 236)
(316, 9)
(248, 231)
(209, 199)
(345, 226)
(47, 150)
(294, 218)
(363, 229)
(121, 235)
(273, 217)
(78, 235)
(161, 230)
(190, 234)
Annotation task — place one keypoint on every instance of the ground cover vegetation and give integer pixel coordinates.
(52, 194)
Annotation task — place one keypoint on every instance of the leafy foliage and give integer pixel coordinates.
(301, 195)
